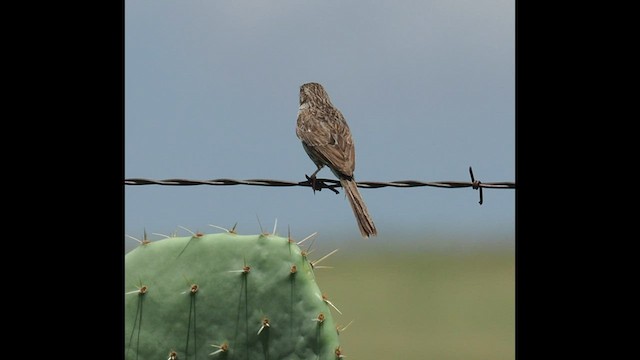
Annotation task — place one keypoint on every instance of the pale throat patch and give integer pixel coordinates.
(303, 107)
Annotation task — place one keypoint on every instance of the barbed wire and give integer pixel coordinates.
(331, 184)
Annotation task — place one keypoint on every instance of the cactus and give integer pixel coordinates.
(225, 296)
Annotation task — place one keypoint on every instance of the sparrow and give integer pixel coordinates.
(326, 138)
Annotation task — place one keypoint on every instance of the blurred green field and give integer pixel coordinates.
(420, 305)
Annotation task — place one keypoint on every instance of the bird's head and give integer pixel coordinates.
(313, 94)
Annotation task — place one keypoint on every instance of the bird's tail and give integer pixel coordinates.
(367, 228)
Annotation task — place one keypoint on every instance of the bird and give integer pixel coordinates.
(326, 138)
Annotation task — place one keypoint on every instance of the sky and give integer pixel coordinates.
(427, 87)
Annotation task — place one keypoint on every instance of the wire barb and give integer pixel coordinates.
(475, 184)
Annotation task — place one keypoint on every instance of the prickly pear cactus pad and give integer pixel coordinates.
(225, 296)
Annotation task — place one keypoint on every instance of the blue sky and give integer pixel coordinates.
(427, 87)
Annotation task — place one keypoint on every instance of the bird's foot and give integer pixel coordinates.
(314, 182)
(319, 184)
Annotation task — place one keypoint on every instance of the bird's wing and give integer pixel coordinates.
(329, 138)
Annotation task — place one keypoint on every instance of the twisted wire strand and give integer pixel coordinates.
(322, 183)
(331, 184)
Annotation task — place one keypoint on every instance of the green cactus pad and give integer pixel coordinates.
(225, 296)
